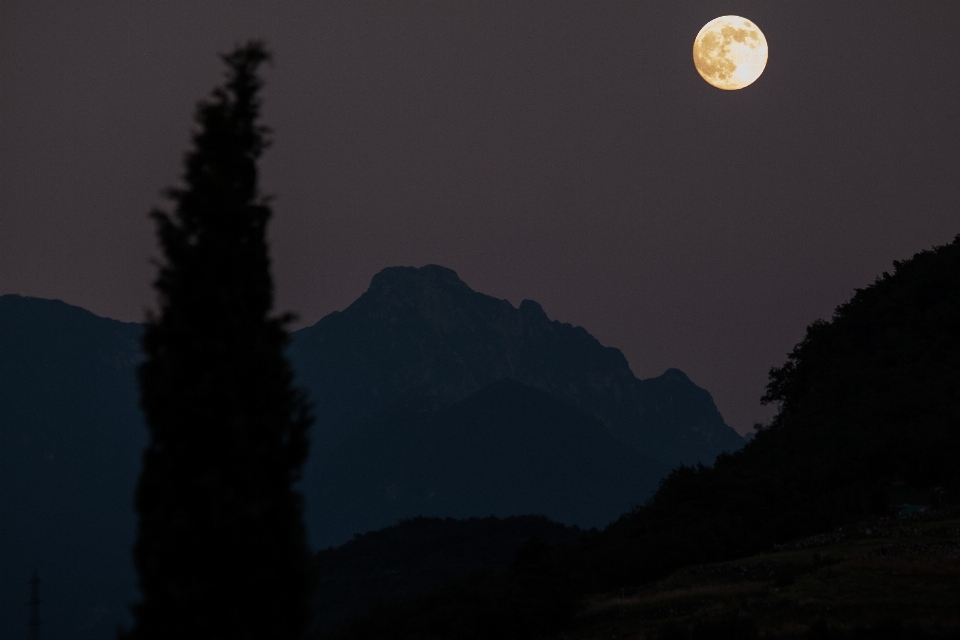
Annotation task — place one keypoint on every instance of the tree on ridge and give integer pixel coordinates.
(221, 548)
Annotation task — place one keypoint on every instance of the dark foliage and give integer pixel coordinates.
(417, 555)
(868, 402)
(532, 598)
(221, 547)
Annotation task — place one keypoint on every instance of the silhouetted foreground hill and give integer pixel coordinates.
(868, 402)
(508, 449)
(868, 405)
(71, 438)
(419, 554)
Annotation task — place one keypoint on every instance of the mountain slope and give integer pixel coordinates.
(425, 329)
(71, 438)
(506, 450)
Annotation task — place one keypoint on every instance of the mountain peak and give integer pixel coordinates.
(424, 329)
(675, 375)
(431, 275)
(531, 308)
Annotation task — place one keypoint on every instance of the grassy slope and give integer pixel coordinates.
(868, 576)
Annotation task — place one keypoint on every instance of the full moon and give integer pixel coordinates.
(730, 52)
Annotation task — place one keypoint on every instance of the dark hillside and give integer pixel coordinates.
(869, 404)
(419, 554)
(885, 579)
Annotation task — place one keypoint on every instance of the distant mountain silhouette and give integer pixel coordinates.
(507, 450)
(414, 370)
(425, 329)
(71, 438)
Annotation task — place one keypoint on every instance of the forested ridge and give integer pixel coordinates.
(868, 401)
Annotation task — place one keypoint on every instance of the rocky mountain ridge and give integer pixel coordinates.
(425, 329)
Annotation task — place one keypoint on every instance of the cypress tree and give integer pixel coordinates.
(221, 548)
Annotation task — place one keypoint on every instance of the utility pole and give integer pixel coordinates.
(33, 626)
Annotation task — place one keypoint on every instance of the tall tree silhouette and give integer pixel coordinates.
(221, 547)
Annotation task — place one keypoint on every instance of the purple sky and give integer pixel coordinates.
(563, 151)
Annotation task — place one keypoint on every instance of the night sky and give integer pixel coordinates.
(562, 151)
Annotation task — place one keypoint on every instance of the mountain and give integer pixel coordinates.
(71, 439)
(869, 419)
(506, 450)
(424, 333)
(410, 368)
(425, 329)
